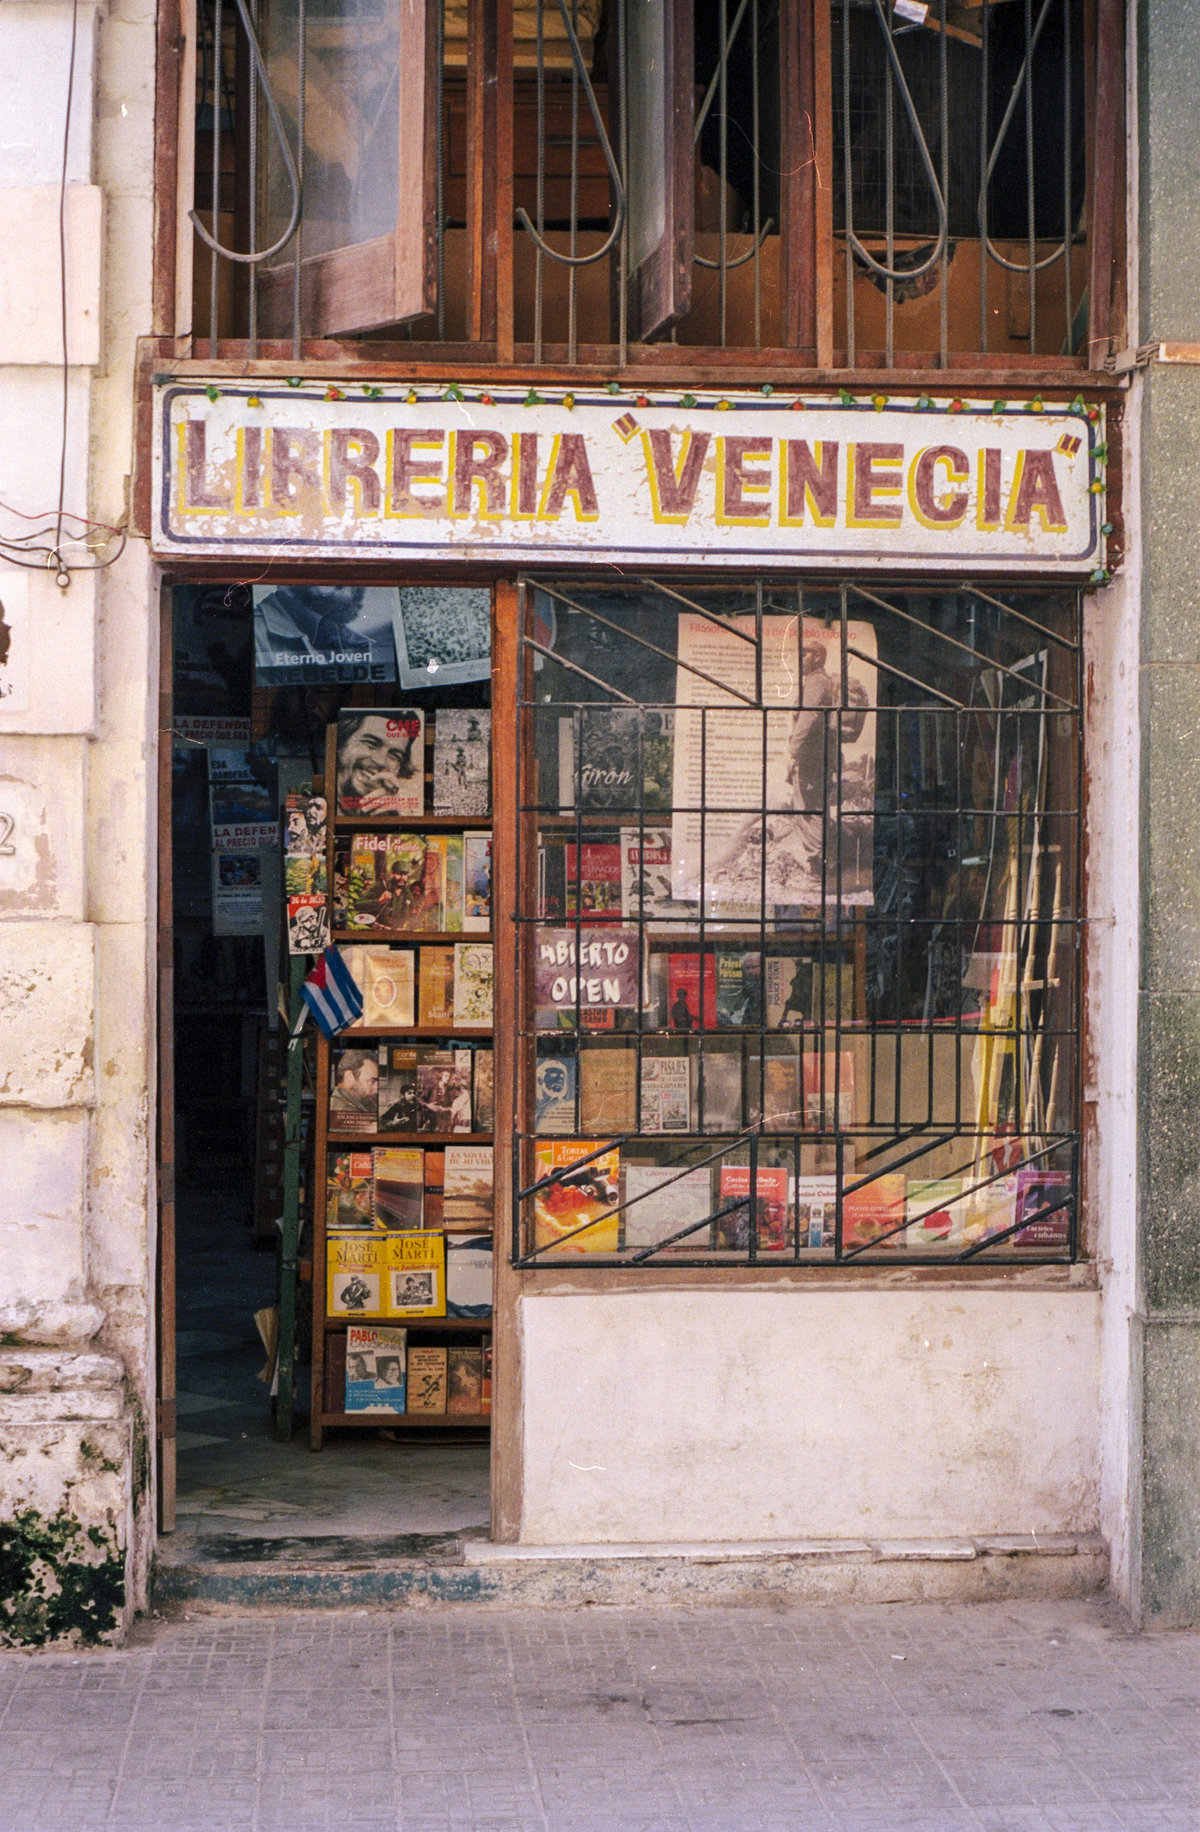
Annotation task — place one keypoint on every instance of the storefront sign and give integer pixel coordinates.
(457, 472)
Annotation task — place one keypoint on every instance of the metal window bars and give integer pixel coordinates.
(951, 138)
(798, 925)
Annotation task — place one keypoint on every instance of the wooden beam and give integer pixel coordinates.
(1108, 114)
(507, 1372)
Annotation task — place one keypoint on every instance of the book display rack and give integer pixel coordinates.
(402, 1237)
(798, 893)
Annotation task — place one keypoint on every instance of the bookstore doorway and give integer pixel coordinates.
(327, 1256)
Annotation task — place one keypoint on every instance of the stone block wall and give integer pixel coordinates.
(78, 685)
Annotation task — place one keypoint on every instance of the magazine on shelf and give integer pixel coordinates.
(477, 883)
(684, 1010)
(426, 1377)
(442, 906)
(381, 761)
(992, 1208)
(577, 1212)
(473, 982)
(464, 1379)
(608, 1089)
(773, 1086)
(874, 1214)
(816, 1211)
(398, 1088)
(375, 1369)
(435, 1177)
(554, 1094)
(938, 1214)
(738, 987)
(646, 878)
(788, 986)
(385, 977)
(468, 1197)
(828, 1089)
(718, 1100)
(354, 1089)
(350, 1192)
(666, 1201)
(443, 1090)
(469, 1275)
(355, 1275)
(666, 1093)
(1043, 1207)
(592, 880)
(399, 1187)
(483, 1091)
(731, 1229)
(462, 758)
(617, 758)
(389, 886)
(436, 992)
(416, 1275)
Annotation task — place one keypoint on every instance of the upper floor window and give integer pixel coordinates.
(852, 183)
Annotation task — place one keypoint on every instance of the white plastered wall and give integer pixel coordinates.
(77, 737)
(822, 1412)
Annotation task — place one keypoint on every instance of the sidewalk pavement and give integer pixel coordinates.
(991, 1717)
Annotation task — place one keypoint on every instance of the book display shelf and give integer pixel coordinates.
(402, 1235)
(798, 870)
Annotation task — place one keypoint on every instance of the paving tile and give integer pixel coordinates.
(1040, 1717)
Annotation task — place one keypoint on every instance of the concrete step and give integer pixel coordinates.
(424, 1570)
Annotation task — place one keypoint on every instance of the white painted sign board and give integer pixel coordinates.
(408, 474)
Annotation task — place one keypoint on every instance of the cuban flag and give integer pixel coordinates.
(331, 994)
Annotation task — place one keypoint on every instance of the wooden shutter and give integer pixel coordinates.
(388, 277)
(659, 101)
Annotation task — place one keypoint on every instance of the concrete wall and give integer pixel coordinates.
(77, 749)
(1166, 1348)
(827, 1412)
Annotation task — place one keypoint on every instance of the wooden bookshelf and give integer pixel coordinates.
(328, 1356)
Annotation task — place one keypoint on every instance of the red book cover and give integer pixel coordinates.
(683, 992)
(593, 881)
(733, 1227)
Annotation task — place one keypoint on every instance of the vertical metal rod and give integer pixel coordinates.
(944, 97)
(723, 166)
(573, 272)
(252, 277)
(984, 111)
(889, 119)
(1068, 224)
(756, 216)
(623, 156)
(1029, 194)
(218, 72)
(301, 79)
(848, 162)
(439, 176)
(539, 273)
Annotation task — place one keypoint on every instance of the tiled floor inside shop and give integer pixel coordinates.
(234, 1474)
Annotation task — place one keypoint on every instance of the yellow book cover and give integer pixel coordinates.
(563, 1209)
(355, 1267)
(416, 1275)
